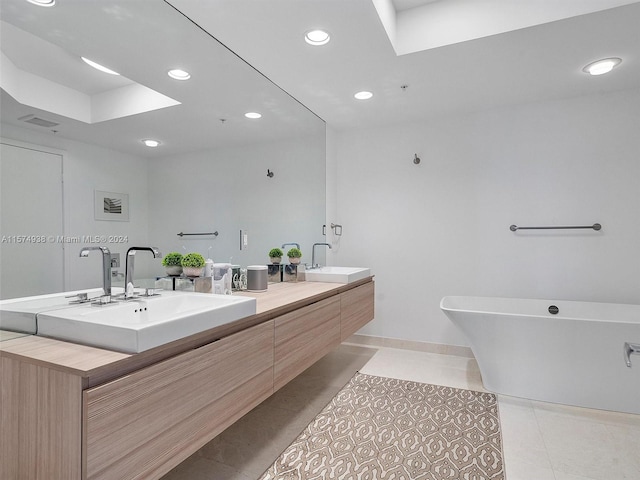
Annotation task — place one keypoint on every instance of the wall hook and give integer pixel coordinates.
(416, 159)
(269, 173)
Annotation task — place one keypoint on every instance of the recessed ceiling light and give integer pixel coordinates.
(252, 115)
(178, 74)
(602, 66)
(364, 95)
(151, 143)
(43, 3)
(97, 66)
(317, 37)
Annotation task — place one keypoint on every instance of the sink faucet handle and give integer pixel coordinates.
(103, 300)
(81, 297)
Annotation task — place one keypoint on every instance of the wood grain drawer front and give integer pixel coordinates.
(142, 425)
(40, 413)
(305, 336)
(357, 309)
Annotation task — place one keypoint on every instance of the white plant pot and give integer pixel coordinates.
(174, 270)
(193, 271)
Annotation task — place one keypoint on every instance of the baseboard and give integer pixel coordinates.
(442, 349)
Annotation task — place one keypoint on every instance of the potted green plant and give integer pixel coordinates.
(294, 255)
(275, 255)
(173, 263)
(193, 264)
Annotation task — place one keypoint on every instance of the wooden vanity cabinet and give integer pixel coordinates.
(304, 336)
(356, 309)
(144, 424)
(68, 414)
(40, 422)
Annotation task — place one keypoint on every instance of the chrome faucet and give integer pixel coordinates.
(129, 264)
(313, 254)
(297, 245)
(106, 266)
(629, 349)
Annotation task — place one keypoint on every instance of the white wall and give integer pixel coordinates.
(442, 227)
(332, 193)
(197, 192)
(87, 168)
(227, 190)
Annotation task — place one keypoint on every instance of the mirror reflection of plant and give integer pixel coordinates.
(173, 259)
(275, 253)
(193, 260)
(294, 253)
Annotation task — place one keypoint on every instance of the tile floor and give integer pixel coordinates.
(541, 441)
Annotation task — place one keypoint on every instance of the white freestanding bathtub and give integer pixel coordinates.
(576, 356)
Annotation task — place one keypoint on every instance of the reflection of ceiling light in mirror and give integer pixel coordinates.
(178, 74)
(602, 66)
(43, 3)
(317, 37)
(364, 95)
(252, 115)
(151, 143)
(97, 66)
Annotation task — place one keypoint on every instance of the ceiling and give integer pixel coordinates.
(43, 75)
(401, 5)
(536, 63)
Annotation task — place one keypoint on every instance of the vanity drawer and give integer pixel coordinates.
(144, 424)
(303, 337)
(357, 309)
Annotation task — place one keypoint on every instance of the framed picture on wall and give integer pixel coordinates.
(111, 206)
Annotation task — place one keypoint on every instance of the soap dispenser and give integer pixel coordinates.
(208, 268)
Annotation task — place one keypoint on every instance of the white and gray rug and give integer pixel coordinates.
(383, 428)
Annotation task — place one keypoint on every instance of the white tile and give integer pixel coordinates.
(521, 437)
(448, 370)
(626, 441)
(197, 468)
(569, 476)
(579, 443)
(525, 471)
(600, 416)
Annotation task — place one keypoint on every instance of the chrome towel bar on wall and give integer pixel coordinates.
(215, 234)
(595, 226)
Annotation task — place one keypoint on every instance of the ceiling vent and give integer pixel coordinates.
(41, 122)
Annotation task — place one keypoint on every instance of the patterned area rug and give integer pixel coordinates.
(383, 428)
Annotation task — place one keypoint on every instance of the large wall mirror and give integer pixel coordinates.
(72, 142)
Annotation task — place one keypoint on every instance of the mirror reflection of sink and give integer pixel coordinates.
(146, 322)
(19, 314)
(337, 274)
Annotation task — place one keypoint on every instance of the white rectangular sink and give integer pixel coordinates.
(19, 314)
(337, 274)
(137, 325)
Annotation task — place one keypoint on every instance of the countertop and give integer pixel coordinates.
(97, 365)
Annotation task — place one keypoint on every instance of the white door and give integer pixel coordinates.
(31, 222)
